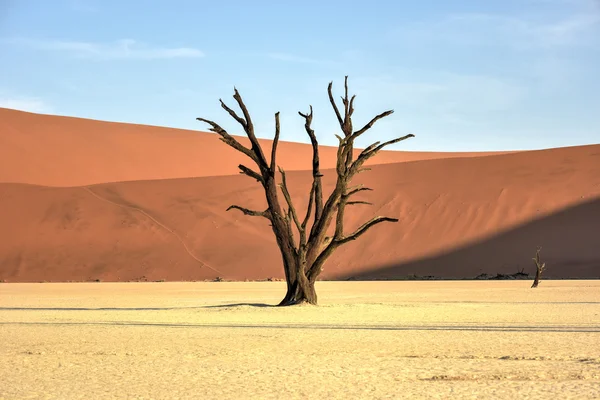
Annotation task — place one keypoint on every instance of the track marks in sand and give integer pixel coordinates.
(160, 224)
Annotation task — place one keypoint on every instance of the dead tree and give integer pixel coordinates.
(539, 268)
(303, 259)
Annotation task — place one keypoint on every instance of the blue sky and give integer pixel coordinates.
(462, 75)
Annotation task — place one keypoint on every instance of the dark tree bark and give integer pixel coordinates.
(303, 258)
(539, 268)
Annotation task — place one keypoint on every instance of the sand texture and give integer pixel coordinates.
(406, 340)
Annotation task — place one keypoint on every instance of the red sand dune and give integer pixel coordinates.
(458, 216)
(51, 150)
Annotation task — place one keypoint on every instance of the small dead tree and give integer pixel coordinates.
(303, 259)
(539, 268)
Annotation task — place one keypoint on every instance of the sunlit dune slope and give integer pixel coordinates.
(458, 218)
(64, 151)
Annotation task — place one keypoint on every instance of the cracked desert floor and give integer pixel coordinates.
(452, 339)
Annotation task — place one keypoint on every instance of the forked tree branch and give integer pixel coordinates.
(252, 213)
(238, 98)
(239, 119)
(248, 126)
(317, 185)
(228, 139)
(370, 124)
(373, 150)
(334, 243)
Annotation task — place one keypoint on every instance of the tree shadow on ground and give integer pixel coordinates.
(476, 328)
(256, 305)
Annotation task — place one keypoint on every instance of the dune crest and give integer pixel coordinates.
(53, 150)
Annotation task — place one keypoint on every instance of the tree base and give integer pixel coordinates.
(299, 294)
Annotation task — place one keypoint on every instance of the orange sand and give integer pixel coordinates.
(459, 217)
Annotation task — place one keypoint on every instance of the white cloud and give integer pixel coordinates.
(577, 26)
(572, 30)
(121, 49)
(442, 93)
(31, 104)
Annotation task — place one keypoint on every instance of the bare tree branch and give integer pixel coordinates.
(251, 173)
(318, 188)
(239, 119)
(252, 213)
(335, 108)
(228, 139)
(339, 219)
(349, 203)
(288, 222)
(311, 197)
(249, 128)
(317, 265)
(347, 128)
(356, 189)
(288, 199)
(371, 123)
(369, 148)
(364, 228)
(373, 150)
(346, 104)
(351, 107)
(275, 142)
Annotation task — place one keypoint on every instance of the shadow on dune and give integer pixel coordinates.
(570, 241)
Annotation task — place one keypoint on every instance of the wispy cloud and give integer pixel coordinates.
(571, 23)
(121, 49)
(31, 104)
(520, 32)
(444, 92)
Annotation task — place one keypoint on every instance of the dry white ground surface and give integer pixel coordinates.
(370, 340)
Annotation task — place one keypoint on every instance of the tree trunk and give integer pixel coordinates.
(538, 275)
(300, 292)
(539, 268)
(536, 280)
